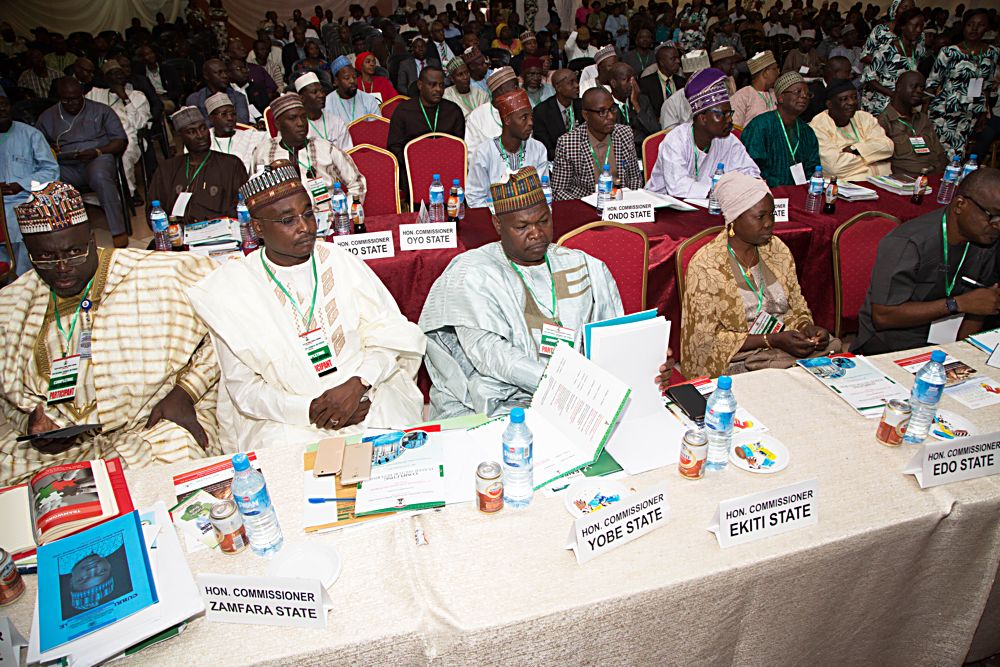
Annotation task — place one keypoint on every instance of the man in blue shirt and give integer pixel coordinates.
(216, 76)
(24, 157)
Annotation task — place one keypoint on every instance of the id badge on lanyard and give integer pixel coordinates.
(318, 350)
(766, 323)
(552, 335)
(318, 192)
(62, 380)
(83, 347)
(919, 145)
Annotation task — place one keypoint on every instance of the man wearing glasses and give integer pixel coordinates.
(101, 337)
(582, 153)
(935, 277)
(692, 151)
(310, 342)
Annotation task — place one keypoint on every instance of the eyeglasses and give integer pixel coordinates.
(603, 113)
(307, 216)
(992, 218)
(71, 259)
(721, 115)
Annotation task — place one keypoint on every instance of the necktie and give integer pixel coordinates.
(566, 118)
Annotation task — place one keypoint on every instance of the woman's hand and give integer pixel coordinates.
(818, 334)
(793, 342)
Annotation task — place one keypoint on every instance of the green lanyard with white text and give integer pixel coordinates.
(759, 290)
(798, 136)
(950, 285)
(309, 167)
(295, 304)
(765, 100)
(857, 139)
(187, 167)
(344, 106)
(506, 156)
(76, 313)
(694, 153)
(229, 146)
(607, 155)
(437, 112)
(554, 312)
(324, 135)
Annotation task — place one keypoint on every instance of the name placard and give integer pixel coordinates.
(297, 603)
(629, 212)
(955, 460)
(11, 642)
(631, 518)
(781, 210)
(373, 245)
(760, 515)
(427, 236)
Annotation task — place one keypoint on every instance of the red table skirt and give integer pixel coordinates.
(409, 275)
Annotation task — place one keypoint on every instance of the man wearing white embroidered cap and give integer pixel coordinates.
(228, 136)
(804, 59)
(675, 109)
(323, 124)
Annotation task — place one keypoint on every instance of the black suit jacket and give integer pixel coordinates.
(550, 124)
(170, 78)
(143, 85)
(289, 56)
(651, 87)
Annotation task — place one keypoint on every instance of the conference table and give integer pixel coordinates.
(409, 275)
(890, 574)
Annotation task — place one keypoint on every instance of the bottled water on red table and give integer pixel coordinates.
(437, 208)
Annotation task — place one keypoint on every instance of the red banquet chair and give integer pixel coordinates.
(650, 149)
(6, 268)
(270, 123)
(389, 106)
(855, 246)
(381, 172)
(433, 153)
(686, 250)
(624, 249)
(369, 129)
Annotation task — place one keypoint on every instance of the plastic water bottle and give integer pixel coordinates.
(160, 225)
(946, 191)
(453, 203)
(924, 398)
(254, 503)
(341, 215)
(437, 211)
(969, 167)
(604, 186)
(248, 236)
(817, 188)
(719, 423)
(358, 217)
(518, 462)
(547, 189)
(460, 192)
(713, 202)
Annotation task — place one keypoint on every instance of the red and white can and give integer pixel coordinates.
(228, 525)
(489, 487)
(895, 418)
(11, 583)
(694, 454)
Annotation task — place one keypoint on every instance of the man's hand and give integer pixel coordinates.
(793, 342)
(982, 301)
(335, 407)
(635, 94)
(178, 407)
(39, 422)
(9, 189)
(666, 372)
(850, 149)
(819, 335)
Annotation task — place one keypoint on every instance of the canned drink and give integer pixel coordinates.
(895, 418)
(694, 453)
(11, 583)
(228, 525)
(489, 487)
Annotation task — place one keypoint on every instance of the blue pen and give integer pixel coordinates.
(318, 501)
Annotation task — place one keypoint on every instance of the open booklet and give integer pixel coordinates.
(856, 381)
(62, 500)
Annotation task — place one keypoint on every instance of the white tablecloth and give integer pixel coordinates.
(891, 575)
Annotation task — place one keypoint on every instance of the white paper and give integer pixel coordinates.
(292, 603)
(987, 341)
(630, 519)
(413, 478)
(427, 236)
(980, 392)
(945, 330)
(994, 358)
(633, 353)
(856, 381)
(180, 205)
(463, 452)
(975, 87)
(373, 245)
(696, 201)
(218, 229)
(939, 463)
(628, 212)
(798, 174)
(11, 642)
(657, 199)
(804, 69)
(781, 210)
(760, 515)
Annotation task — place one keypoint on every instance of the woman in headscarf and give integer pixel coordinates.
(366, 63)
(742, 306)
(506, 40)
(889, 53)
(961, 82)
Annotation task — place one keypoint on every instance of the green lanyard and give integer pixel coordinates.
(76, 314)
(758, 291)
(765, 100)
(461, 98)
(229, 146)
(506, 156)
(643, 62)
(607, 155)
(437, 112)
(295, 304)
(624, 109)
(324, 134)
(309, 166)
(187, 168)
(911, 59)
(798, 135)
(912, 129)
(344, 106)
(857, 139)
(950, 285)
(527, 285)
(694, 153)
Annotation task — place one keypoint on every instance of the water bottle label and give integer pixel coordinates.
(517, 457)
(437, 197)
(340, 204)
(604, 186)
(255, 504)
(719, 421)
(925, 392)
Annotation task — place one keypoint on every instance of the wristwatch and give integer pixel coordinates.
(952, 305)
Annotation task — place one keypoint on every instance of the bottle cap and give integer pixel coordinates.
(517, 416)
(721, 165)
(607, 167)
(819, 170)
(239, 196)
(454, 182)
(437, 177)
(336, 185)
(545, 179)
(973, 156)
(155, 203)
(725, 382)
(240, 462)
(938, 356)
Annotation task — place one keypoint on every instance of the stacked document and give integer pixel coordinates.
(856, 381)
(854, 192)
(899, 184)
(645, 196)
(986, 341)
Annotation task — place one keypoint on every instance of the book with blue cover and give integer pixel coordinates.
(93, 579)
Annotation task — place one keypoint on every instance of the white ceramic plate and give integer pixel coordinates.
(579, 496)
(319, 561)
(759, 453)
(948, 426)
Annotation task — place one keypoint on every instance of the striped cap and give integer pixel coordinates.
(706, 89)
(520, 191)
(786, 81)
(500, 77)
(285, 103)
(217, 101)
(761, 62)
(605, 53)
(277, 180)
(186, 116)
(455, 64)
